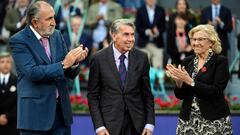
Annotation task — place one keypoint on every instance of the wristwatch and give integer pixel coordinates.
(192, 83)
(63, 65)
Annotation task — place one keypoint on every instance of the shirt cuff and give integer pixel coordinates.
(74, 66)
(147, 31)
(18, 25)
(149, 127)
(99, 129)
(222, 25)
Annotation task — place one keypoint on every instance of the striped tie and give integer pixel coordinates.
(122, 70)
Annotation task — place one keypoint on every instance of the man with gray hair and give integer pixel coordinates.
(42, 64)
(119, 93)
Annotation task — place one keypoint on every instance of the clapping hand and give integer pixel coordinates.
(146, 132)
(75, 56)
(3, 120)
(83, 52)
(103, 132)
(179, 74)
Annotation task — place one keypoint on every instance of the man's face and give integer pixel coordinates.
(103, 1)
(45, 23)
(150, 2)
(75, 23)
(23, 3)
(124, 39)
(5, 64)
(215, 2)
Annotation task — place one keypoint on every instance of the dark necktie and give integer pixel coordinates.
(216, 11)
(122, 70)
(3, 81)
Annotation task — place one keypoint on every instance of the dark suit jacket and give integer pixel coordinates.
(8, 105)
(38, 80)
(143, 23)
(226, 17)
(108, 101)
(208, 89)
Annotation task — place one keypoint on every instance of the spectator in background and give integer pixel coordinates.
(75, 41)
(15, 19)
(64, 12)
(150, 25)
(3, 7)
(183, 8)
(185, 15)
(220, 17)
(101, 15)
(178, 46)
(200, 84)
(8, 96)
(130, 6)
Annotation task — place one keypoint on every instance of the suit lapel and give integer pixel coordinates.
(146, 16)
(35, 44)
(190, 67)
(209, 14)
(155, 15)
(220, 14)
(131, 63)
(52, 45)
(112, 63)
(207, 65)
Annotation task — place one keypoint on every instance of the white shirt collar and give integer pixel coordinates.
(218, 6)
(35, 33)
(150, 8)
(117, 54)
(6, 76)
(22, 10)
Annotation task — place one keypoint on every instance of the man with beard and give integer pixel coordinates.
(42, 64)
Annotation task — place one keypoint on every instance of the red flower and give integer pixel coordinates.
(203, 69)
(235, 98)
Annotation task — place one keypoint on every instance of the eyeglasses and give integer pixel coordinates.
(198, 39)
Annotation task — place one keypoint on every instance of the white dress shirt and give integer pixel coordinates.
(4, 77)
(215, 13)
(151, 13)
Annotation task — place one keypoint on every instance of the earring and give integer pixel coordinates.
(210, 50)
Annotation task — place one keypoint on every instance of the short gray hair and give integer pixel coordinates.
(117, 23)
(34, 9)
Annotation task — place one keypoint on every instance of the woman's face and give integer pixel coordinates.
(181, 6)
(201, 43)
(180, 22)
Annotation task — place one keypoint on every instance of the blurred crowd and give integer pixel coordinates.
(161, 33)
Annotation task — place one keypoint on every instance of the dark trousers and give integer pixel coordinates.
(127, 126)
(58, 127)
